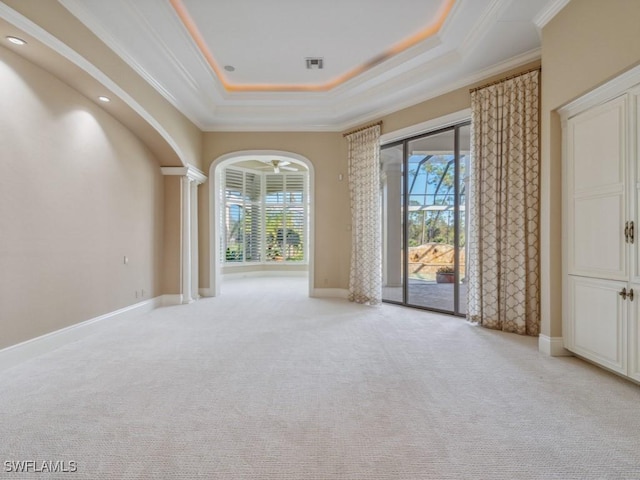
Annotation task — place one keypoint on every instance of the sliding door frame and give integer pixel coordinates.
(405, 216)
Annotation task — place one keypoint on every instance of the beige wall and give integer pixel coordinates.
(587, 43)
(78, 192)
(171, 275)
(327, 153)
(436, 107)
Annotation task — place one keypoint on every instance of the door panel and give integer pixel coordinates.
(392, 191)
(597, 315)
(596, 148)
(464, 153)
(431, 221)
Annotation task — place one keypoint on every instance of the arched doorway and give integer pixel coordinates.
(267, 166)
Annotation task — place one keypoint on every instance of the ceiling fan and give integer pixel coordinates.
(278, 165)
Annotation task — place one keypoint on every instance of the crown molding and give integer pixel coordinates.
(79, 10)
(382, 90)
(340, 126)
(367, 94)
(464, 82)
(551, 9)
(479, 29)
(62, 49)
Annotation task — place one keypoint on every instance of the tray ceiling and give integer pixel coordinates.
(379, 56)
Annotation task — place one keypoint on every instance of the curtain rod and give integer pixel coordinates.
(362, 128)
(490, 84)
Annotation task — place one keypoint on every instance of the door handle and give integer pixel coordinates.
(623, 293)
(630, 294)
(631, 232)
(626, 232)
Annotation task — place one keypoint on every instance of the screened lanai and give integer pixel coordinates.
(424, 220)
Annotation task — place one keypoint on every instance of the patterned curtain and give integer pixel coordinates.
(504, 195)
(365, 282)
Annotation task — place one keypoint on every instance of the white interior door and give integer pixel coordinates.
(596, 148)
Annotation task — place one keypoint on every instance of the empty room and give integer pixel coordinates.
(345, 240)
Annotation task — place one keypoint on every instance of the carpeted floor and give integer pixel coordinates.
(265, 383)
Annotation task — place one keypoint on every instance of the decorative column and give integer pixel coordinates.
(191, 177)
(195, 283)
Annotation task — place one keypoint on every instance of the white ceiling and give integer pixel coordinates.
(267, 43)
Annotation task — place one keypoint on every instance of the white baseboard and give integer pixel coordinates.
(552, 346)
(206, 292)
(170, 300)
(330, 293)
(34, 347)
(264, 273)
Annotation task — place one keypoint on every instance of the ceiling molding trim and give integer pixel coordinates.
(166, 52)
(389, 69)
(74, 57)
(78, 9)
(431, 30)
(398, 85)
(274, 127)
(551, 9)
(340, 126)
(465, 82)
(444, 29)
(481, 27)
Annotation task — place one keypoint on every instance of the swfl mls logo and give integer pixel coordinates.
(44, 466)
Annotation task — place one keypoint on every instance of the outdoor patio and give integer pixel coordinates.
(428, 294)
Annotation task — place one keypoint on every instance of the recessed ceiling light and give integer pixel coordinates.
(229, 68)
(104, 99)
(16, 40)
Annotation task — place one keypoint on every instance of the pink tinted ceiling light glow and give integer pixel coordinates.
(409, 42)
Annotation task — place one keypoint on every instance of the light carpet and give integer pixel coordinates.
(266, 383)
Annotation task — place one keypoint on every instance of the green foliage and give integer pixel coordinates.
(234, 253)
(283, 240)
(435, 175)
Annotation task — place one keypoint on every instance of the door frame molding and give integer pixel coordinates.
(215, 178)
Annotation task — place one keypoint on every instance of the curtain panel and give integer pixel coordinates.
(504, 192)
(365, 278)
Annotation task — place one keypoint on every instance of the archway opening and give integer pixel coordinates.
(261, 216)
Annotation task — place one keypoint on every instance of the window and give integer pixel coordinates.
(265, 216)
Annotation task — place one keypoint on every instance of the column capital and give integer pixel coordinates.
(191, 172)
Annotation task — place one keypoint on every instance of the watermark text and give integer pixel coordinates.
(40, 466)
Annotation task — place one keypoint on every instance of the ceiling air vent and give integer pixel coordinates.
(314, 63)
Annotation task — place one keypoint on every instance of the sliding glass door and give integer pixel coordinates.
(424, 220)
